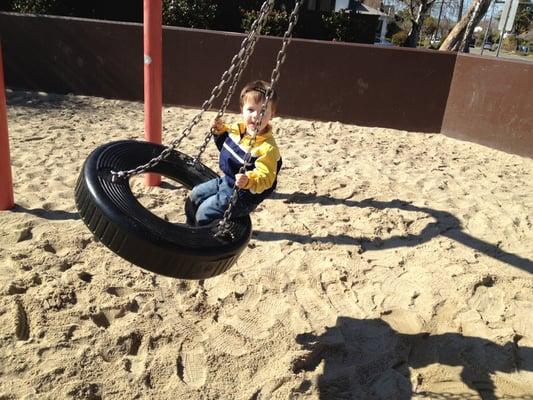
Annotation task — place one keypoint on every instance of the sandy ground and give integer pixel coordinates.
(389, 265)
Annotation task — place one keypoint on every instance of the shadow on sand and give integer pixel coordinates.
(446, 224)
(54, 215)
(43, 100)
(367, 359)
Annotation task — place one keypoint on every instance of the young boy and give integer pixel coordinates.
(210, 199)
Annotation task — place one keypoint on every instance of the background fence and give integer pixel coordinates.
(487, 101)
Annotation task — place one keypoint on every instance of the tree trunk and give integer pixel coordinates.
(414, 32)
(459, 37)
(416, 23)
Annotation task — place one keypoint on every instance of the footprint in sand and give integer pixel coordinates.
(404, 321)
(341, 297)
(192, 365)
(226, 340)
(344, 300)
(317, 310)
(22, 326)
(251, 324)
(219, 288)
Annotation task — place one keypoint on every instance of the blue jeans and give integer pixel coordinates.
(211, 199)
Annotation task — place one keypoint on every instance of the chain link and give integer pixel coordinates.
(260, 22)
(237, 64)
(223, 227)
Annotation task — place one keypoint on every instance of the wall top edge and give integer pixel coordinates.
(239, 35)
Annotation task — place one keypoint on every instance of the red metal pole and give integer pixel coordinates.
(6, 180)
(153, 94)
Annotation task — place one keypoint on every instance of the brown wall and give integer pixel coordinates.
(491, 103)
(66, 55)
(476, 99)
(319, 80)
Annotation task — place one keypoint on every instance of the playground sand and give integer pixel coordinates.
(389, 265)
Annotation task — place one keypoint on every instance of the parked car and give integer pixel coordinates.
(487, 46)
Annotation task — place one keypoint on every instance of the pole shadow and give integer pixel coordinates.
(41, 100)
(367, 359)
(446, 224)
(54, 215)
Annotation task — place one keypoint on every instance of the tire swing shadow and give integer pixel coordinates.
(446, 224)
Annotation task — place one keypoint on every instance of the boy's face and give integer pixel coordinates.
(251, 110)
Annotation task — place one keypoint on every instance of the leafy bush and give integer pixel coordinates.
(236, 15)
(349, 26)
(190, 13)
(339, 26)
(101, 9)
(509, 43)
(60, 7)
(400, 38)
(276, 25)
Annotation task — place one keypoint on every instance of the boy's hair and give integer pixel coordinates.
(257, 91)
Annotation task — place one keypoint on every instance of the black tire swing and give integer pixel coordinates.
(111, 211)
(108, 207)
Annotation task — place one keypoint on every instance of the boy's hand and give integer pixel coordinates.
(218, 125)
(241, 180)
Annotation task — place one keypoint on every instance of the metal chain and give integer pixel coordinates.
(236, 65)
(223, 227)
(260, 22)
